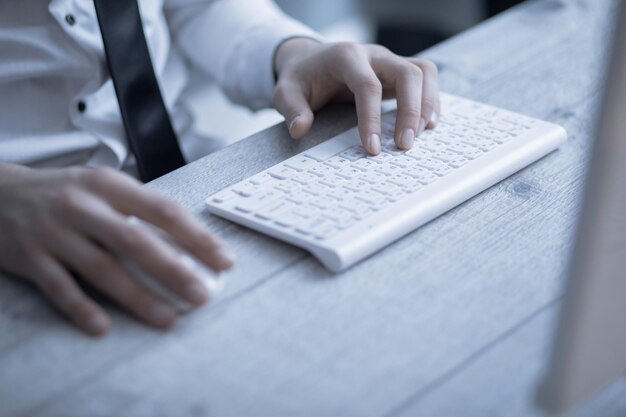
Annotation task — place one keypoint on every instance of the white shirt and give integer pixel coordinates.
(57, 102)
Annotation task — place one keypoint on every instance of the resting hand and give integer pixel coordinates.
(312, 74)
(55, 222)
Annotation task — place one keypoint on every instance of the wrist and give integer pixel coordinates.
(291, 49)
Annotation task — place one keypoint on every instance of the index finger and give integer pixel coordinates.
(361, 79)
(128, 196)
(430, 92)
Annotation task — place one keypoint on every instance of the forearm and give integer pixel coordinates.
(234, 42)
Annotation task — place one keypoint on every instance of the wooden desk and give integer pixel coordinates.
(453, 320)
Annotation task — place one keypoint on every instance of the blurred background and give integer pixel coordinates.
(404, 26)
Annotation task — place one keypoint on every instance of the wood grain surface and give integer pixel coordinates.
(454, 319)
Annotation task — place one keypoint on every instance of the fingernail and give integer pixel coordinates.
(196, 292)
(97, 324)
(373, 143)
(225, 258)
(407, 139)
(422, 127)
(434, 119)
(162, 314)
(291, 125)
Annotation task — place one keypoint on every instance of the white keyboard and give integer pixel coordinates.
(342, 205)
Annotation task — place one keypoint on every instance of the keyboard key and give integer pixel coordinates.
(385, 188)
(325, 232)
(389, 169)
(247, 189)
(430, 164)
(315, 226)
(321, 170)
(396, 195)
(364, 164)
(251, 204)
(445, 156)
(354, 153)
(466, 150)
(355, 185)
(339, 194)
(418, 153)
(274, 210)
(458, 162)
(261, 178)
(421, 174)
(304, 178)
(443, 170)
(316, 188)
(337, 162)
(339, 216)
(349, 172)
(288, 186)
(281, 172)
(483, 144)
(358, 210)
(413, 187)
(321, 203)
(300, 163)
(373, 177)
(288, 220)
(380, 158)
(224, 196)
(393, 150)
(298, 197)
(431, 145)
(449, 139)
(400, 179)
(403, 161)
(370, 197)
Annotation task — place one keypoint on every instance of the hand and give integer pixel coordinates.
(311, 74)
(55, 222)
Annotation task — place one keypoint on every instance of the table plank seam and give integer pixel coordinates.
(132, 352)
(463, 364)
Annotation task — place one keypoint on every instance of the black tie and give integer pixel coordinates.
(146, 121)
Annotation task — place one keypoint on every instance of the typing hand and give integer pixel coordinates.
(311, 74)
(55, 222)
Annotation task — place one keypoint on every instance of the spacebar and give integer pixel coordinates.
(333, 146)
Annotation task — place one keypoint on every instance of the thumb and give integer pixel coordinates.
(289, 99)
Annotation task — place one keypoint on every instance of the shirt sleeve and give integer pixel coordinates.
(234, 42)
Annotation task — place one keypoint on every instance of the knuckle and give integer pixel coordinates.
(142, 300)
(26, 246)
(411, 113)
(69, 199)
(428, 104)
(174, 272)
(379, 49)
(371, 120)
(370, 85)
(100, 177)
(409, 70)
(131, 238)
(349, 48)
(53, 287)
(429, 67)
(76, 306)
(170, 213)
(279, 93)
(98, 265)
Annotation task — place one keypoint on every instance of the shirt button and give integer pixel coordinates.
(70, 19)
(81, 106)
